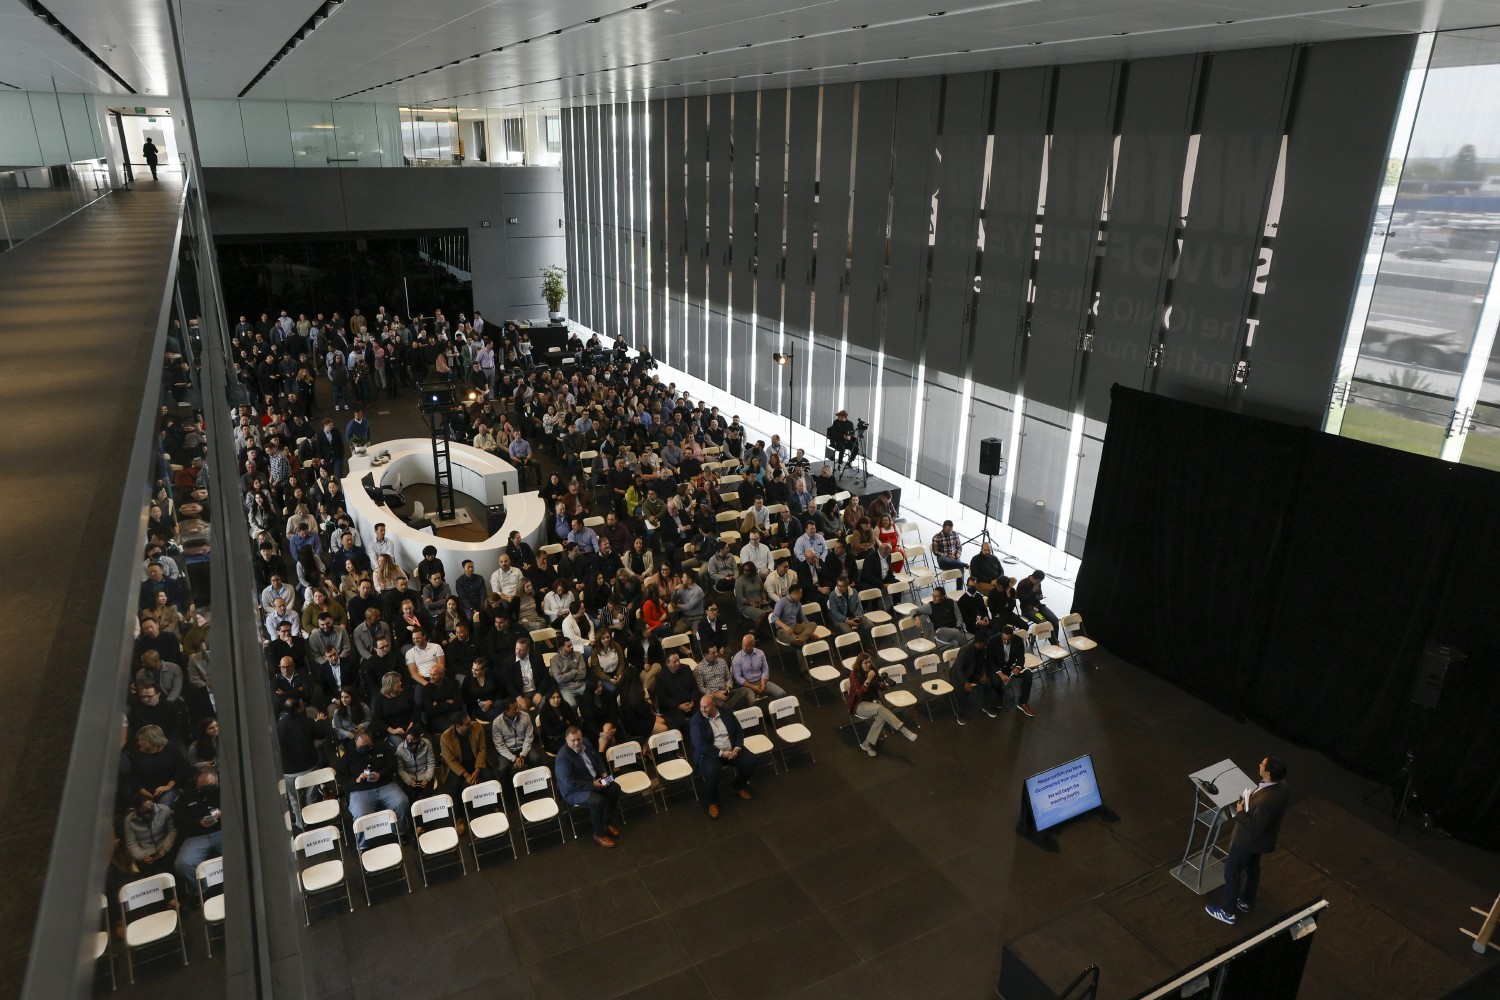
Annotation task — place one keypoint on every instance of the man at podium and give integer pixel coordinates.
(1257, 820)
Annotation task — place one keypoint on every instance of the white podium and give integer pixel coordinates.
(1202, 866)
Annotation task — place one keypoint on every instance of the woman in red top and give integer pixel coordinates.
(653, 614)
(865, 684)
(891, 535)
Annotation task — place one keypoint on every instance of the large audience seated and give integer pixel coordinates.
(685, 567)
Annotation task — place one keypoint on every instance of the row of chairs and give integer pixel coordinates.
(151, 917)
(323, 869)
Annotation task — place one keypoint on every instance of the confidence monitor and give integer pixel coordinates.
(1057, 795)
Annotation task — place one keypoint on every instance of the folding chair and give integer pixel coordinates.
(911, 634)
(150, 928)
(779, 554)
(380, 832)
(900, 598)
(752, 720)
(671, 764)
(1079, 642)
(790, 728)
(210, 878)
(897, 696)
(681, 641)
(814, 612)
(929, 669)
(629, 768)
(1053, 655)
(854, 720)
(537, 802)
(435, 818)
(872, 599)
(848, 639)
(551, 550)
(317, 873)
(484, 805)
(821, 673)
(544, 639)
(102, 939)
(886, 654)
(318, 812)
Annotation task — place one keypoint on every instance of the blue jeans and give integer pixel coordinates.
(945, 563)
(192, 853)
(387, 796)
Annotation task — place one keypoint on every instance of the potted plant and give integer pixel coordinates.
(554, 290)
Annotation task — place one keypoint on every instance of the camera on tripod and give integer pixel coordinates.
(860, 426)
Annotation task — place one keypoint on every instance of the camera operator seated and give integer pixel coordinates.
(841, 436)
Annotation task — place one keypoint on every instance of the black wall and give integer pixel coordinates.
(1293, 577)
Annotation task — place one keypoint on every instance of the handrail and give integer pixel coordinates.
(1092, 974)
(76, 865)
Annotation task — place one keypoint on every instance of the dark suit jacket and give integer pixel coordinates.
(701, 735)
(1256, 828)
(1006, 659)
(508, 671)
(713, 633)
(573, 782)
(639, 658)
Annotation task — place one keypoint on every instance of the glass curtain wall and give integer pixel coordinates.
(1425, 374)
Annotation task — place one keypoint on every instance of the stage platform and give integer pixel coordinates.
(1391, 930)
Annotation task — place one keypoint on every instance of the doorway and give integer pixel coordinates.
(140, 124)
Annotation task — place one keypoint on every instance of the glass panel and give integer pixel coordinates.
(939, 436)
(1083, 496)
(859, 381)
(897, 411)
(312, 128)
(1039, 479)
(357, 138)
(990, 412)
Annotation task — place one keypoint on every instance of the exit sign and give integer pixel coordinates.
(140, 111)
(151, 120)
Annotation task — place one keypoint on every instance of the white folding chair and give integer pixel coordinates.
(318, 873)
(145, 929)
(537, 802)
(752, 720)
(380, 833)
(887, 654)
(544, 639)
(824, 672)
(318, 812)
(629, 768)
(438, 823)
(681, 642)
(900, 597)
(669, 759)
(593, 522)
(814, 612)
(102, 939)
(1077, 642)
(210, 878)
(948, 576)
(913, 638)
(851, 641)
(790, 728)
(872, 599)
(897, 696)
(1053, 655)
(934, 686)
(854, 720)
(552, 549)
(484, 806)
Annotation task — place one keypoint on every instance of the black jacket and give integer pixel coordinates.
(508, 671)
(297, 736)
(1255, 828)
(380, 758)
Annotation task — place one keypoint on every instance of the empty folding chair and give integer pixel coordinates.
(318, 812)
(897, 696)
(629, 768)
(544, 639)
(102, 939)
(671, 763)
(593, 522)
(872, 600)
(814, 612)
(790, 728)
(891, 653)
(210, 878)
(949, 578)
(848, 641)
(320, 867)
(779, 554)
(1077, 642)
(1053, 655)
(682, 642)
(437, 837)
(929, 670)
(913, 638)
(537, 802)
(149, 917)
(901, 600)
(484, 806)
(752, 720)
(380, 833)
(552, 550)
(841, 496)
(819, 665)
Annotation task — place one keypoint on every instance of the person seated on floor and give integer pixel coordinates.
(717, 742)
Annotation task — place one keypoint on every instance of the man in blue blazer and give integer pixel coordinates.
(583, 779)
(718, 742)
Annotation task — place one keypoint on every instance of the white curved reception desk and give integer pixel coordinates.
(485, 477)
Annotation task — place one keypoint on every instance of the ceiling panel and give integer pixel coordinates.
(398, 51)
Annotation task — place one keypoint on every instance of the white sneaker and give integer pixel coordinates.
(867, 749)
(962, 721)
(910, 734)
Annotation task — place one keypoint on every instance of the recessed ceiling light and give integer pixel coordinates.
(639, 6)
(1230, 21)
(858, 26)
(746, 45)
(593, 20)
(1357, 6)
(1033, 43)
(937, 13)
(703, 53)
(1117, 33)
(903, 57)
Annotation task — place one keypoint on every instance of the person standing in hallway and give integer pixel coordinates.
(149, 151)
(1257, 821)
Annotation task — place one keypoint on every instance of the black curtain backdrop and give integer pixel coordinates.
(1292, 577)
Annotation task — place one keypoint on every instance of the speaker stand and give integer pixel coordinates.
(984, 533)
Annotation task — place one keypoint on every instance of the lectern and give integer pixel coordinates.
(1215, 790)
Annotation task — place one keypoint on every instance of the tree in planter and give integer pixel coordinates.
(554, 287)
